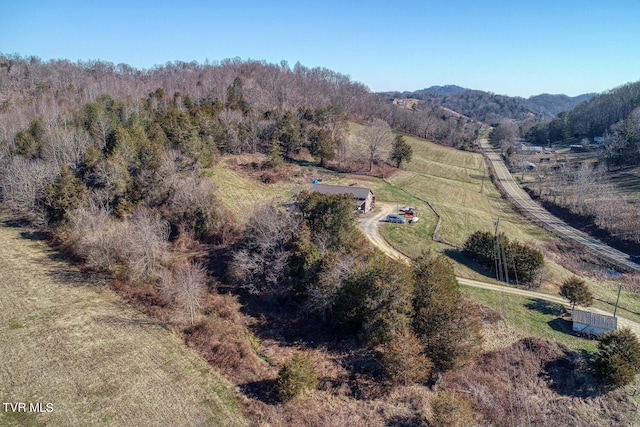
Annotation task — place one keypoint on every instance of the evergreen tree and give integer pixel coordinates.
(446, 324)
(296, 377)
(401, 151)
(321, 145)
(618, 358)
(64, 195)
(288, 134)
(577, 292)
(403, 360)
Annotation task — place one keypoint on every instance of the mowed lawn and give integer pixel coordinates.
(71, 343)
(455, 182)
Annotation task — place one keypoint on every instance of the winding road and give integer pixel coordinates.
(369, 224)
(557, 225)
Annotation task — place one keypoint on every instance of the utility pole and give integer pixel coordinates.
(501, 261)
(496, 250)
(617, 300)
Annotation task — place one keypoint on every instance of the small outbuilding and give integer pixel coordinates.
(586, 322)
(364, 197)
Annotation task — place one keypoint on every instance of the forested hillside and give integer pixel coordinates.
(492, 108)
(30, 88)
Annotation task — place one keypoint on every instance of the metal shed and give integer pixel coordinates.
(593, 323)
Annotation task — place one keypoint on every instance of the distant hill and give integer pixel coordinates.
(595, 117)
(552, 105)
(447, 89)
(489, 107)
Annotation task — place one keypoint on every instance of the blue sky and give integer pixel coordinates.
(513, 47)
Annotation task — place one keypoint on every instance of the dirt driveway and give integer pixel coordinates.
(370, 222)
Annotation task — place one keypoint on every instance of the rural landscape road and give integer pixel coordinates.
(560, 227)
(369, 224)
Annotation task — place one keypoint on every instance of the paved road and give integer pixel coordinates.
(522, 198)
(369, 224)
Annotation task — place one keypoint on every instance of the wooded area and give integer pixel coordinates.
(110, 163)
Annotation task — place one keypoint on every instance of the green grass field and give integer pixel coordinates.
(455, 182)
(531, 317)
(67, 340)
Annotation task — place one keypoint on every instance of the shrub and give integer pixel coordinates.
(451, 409)
(618, 359)
(192, 204)
(296, 377)
(135, 249)
(403, 360)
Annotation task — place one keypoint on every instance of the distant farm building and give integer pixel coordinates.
(586, 322)
(405, 103)
(527, 165)
(364, 197)
(530, 149)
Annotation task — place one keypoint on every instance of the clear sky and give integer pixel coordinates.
(512, 47)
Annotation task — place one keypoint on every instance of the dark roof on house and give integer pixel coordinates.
(360, 193)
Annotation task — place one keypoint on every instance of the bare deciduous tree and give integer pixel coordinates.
(261, 265)
(377, 136)
(186, 287)
(65, 146)
(23, 182)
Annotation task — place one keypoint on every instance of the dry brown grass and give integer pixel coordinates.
(72, 342)
(538, 383)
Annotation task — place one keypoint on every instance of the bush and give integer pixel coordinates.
(618, 359)
(403, 360)
(451, 409)
(135, 249)
(192, 204)
(296, 377)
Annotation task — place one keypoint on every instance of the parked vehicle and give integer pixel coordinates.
(396, 219)
(408, 210)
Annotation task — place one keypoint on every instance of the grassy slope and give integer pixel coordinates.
(71, 342)
(531, 317)
(451, 180)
